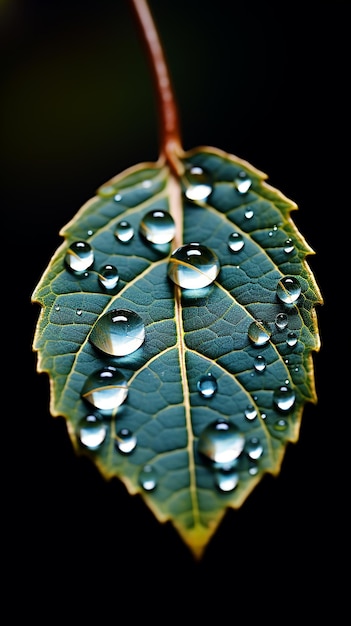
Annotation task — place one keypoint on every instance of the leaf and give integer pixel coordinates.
(188, 393)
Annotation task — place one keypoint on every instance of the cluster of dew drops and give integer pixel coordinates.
(120, 332)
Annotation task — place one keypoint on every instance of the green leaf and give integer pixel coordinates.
(126, 362)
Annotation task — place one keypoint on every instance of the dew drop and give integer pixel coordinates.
(79, 257)
(124, 231)
(242, 182)
(280, 425)
(207, 386)
(259, 333)
(284, 398)
(193, 266)
(235, 242)
(79, 312)
(57, 307)
(106, 389)
(289, 289)
(260, 363)
(118, 332)
(126, 441)
(221, 443)
(92, 431)
(148, 478)
(249, 214)
(117, 197)
(157, 227)
(198, 183)
(226, 479)
(281, 321)
(288, 246)
(250, 412)
(254, 448)
(108, 277)
(291, 339)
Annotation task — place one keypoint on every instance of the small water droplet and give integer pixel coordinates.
(126, 441)
(221, 442)
(157, 227)
(207, 386)
(288, 246)
(260, 363)
(226, 479)
(198, 183)
(289, 289)
(92, 431)
(235, 242)
(291, 339)
(117, 197)
(106, 389)
(284, 398)
(242, 182)
(249, 214)
(193, 266)
(108, 277)
(148, 478)
(90, 232)
(124, 231)
(79, 257)
(79, 312)
(57, 307)
(118, 332)
(259, 333)
(254, 448)
(281, 321)
(280, 425)
(250, 412)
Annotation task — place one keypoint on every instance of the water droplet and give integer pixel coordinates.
(57, 307)
(280, 425)
(124, 231)
(289, 289)
(157, 226)
(108, 277)
(126, 441)
(249, 214)
(254, 448)
(281, 321)
(90, 232)
(198, 183)
(207, 385)
(92, 431)
(118, 332)
(221, 442)
(79, 257)
(79, 312)
(260, 363)
(273, 231)
(148, 478)
(250, 412)
(259, 333)
(291, 339)
(288, 246)
(193, 266)
(242, 182)
(235, 242)
(226, 479)
(117, 197)
(284, 398)
(106, 389)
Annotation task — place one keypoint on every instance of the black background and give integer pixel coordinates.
(267, 82)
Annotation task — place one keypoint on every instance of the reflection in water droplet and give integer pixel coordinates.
(92, 431)
(198, 183)
(106, 389)
(226, 479)
(79, 257)
(254, 448)
(250, 412)
(280, 425)
(124, 231)
(288, 289)
(148, 478)
(281, 321)
(193, 266)
(260, 363)
(108, 277)
(157, 226)
(259, 333)
(126, 441)
(221, 442)
(249, 214)
(118, 332)
(288, 246)
(291, 339)
(242, 182)
(235, 242)
(284, 398)
(207, 386)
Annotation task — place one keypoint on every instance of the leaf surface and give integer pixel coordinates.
(187, 379)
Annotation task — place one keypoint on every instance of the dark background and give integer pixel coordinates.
(267, 82)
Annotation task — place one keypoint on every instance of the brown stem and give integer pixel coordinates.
(170, 142)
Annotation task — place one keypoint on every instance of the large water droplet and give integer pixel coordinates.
(207, 386)
(108, 277)
(92, 431)
(226, 479)
(221, 442)
(124, 231)
(288, 289)
(284, 398)
(198, 183)
(242, 182)
(259, 333)
(157, 227)
(126, 441)
(148, 478)
(193, 266)
(118, 332)
(79, 257)
(106, 389)
(250, 412)
(235, 242)
(281, 321)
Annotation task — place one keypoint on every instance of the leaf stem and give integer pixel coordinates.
(170, 141)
